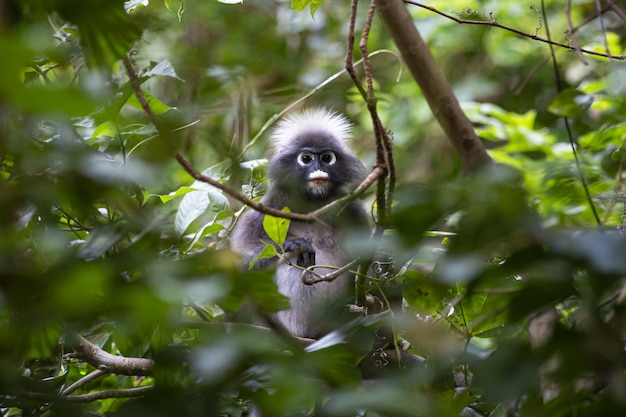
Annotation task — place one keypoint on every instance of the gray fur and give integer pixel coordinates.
(291, 186)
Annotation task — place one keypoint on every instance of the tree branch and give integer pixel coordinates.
(436, 89)
(106, 362)
(492, 22)
(84, 380)
(110, 393)
(308, 218)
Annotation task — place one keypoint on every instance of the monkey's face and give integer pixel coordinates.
(316, 168)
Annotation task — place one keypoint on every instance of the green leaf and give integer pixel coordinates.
(598, 140)
(181, 191)
(195, 204)
(570, 103)
(276, 228)
(157, 106)
(38, 99)
(299, 5)
(108, 128)
(269, 251)
(106, 30)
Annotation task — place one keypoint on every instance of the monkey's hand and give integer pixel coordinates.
(302, 250)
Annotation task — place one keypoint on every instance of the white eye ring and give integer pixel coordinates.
(328, 157)
(305, 158)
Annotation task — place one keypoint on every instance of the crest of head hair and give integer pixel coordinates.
(311, 121)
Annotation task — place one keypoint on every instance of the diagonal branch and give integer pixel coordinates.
(492, 22)
(311, 217)
(435, 88)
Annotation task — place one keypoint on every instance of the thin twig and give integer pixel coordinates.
(84, 380)
(547, 58)
(135, 84)
(369, 78)
(572, 34)
(349, 67)
(570, 135)
(602, 29)
(331, 276)
(313, 91)
(385, 165)
(619, 12)
(308, 218)
(492, 22)
(111, 393)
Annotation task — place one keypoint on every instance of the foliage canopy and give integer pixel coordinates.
(510, 281)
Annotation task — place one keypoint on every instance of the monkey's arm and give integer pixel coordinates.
(250, 239)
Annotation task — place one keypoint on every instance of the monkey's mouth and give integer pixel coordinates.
(318, 177)
(319, 183)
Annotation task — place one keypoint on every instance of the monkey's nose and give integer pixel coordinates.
(318, 175)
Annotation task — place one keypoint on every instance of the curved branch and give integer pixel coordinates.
(107, 362)
(84, 380)
(331, 276)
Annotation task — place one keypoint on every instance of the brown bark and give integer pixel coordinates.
(435, 88)
(107, 362)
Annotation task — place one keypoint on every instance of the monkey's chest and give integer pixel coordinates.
(310, 303)
(327, 249)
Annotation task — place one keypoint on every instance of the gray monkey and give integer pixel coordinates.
(311, 166)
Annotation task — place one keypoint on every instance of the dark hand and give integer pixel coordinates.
(303, 250)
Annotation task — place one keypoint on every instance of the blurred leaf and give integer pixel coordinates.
(570, 103)
(260, 287)
(269, 251)
(299, 5)
(99, 241)
(194, 204)
(600, 250)
(508, 372)
(106, 30)
(157, 106)
(416, 200)
(108, 128)
(163, 68)
(180, 191)
(52, 101)
(597, 140)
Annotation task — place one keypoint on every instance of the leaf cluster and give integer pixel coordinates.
(102, 234)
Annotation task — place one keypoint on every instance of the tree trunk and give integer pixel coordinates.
(436, 89)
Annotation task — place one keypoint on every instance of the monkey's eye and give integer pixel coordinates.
(305, 158)
(328, 157)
